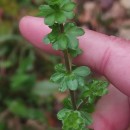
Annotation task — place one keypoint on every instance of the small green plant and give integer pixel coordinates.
(76, 114)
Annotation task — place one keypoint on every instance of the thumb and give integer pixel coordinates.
(112, 111)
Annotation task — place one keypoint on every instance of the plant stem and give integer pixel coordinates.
(68, 65)
(67, 59)
(82, 103)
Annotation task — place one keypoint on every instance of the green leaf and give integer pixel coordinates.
(80, 81)
(64, 2)
(55, 46)
(60, 68)
(26, 63)
(87, 93)
(68, 27)
(73, 42)
(53, 2)
(50, 19)
(72, 29)
(60, 17)
(45, 88)
(45, 10)
(69, 6)
(94, 90)
(52, 37)
(72, 83)
(73, 120)
(78, 32)
(88, 107)
(57, 11)
(8, 37)
(62, 113)
(67, 103)
(69, 15)
(75, 53)
(20, 81)
(63, 86)
(57, 77)
(62, 42)
(46, 40)
(35, 114)
(55, 32)
(82, 71)
(17, 108)
(87, 117)
(91, 99)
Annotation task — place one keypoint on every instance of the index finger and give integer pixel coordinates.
(109, 56)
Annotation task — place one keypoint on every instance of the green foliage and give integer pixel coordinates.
(21, 95)
(95, 89)
(2, 126)
(5, 64)
(67, 103)
(19, 109)
(64, 37)
(72, 31)
(65, 40)
(21, 78)
(74, 120)
(18, 81)
(82, 71)
(57, 11)
(16, 88)
(69, 80)
(75, 53)
(87, 118)
(45, 89)
(20, 70)
(53, 2)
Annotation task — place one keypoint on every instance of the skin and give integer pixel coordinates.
(109, 56)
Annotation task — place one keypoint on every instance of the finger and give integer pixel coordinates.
(107, 55)
(34, 30)
(112, 111)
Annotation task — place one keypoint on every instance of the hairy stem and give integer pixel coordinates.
(68, 65)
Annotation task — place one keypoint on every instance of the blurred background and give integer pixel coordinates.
(28, 100)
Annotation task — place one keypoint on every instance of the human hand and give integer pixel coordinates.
(109, 56)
